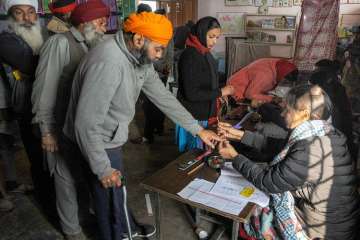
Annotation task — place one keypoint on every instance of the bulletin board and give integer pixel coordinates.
(349, 20)
(232, 23)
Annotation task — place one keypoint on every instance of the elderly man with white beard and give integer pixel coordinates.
(19, 48)
(59, 58)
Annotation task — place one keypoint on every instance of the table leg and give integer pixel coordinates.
(235, 230)
(197, 216)
(157, 215)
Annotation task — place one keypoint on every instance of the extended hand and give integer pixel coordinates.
(227, 131)
(227, 151)
(49, 143)
(112, 180)
(209, 137)
(256, 103)
(227, 90)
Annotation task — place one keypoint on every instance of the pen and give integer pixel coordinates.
(195, 169)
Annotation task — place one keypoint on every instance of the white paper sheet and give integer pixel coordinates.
(238, 189)
(199, 191)
(228, 170)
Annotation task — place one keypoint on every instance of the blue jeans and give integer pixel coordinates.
(109, 203)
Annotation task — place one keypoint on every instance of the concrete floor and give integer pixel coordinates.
(27, 223)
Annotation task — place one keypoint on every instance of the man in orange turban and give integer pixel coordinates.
(105, 89)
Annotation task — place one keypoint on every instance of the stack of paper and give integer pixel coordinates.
(199, 191)
(229, 194)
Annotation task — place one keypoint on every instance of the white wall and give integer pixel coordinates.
(211, 7)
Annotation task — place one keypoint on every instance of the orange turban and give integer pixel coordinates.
(153, 26)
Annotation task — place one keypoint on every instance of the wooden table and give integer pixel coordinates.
(169, 181)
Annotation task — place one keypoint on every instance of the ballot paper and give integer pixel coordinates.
(238, 189)
(199, 191)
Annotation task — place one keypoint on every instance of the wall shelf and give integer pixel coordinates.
(274, 30)
(269, 29)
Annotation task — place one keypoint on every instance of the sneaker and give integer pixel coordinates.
(133, 234)
(6, 205)
(78, 236)
(140, 140)
(142, 231)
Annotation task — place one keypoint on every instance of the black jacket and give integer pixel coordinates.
(198, 88)
(341, 112)
(16, 53)
(319, 173)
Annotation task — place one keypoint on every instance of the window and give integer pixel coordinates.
(152, 4)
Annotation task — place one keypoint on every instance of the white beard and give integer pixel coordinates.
(92, 37)
(31, 34)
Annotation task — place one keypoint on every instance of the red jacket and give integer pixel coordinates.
(256, 79)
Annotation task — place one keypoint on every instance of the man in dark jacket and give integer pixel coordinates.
(19, 48)
(326, 76)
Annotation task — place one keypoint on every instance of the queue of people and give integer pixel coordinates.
(72, 96)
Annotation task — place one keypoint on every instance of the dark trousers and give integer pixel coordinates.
(43, 183)
(154, 117)
(109, 203)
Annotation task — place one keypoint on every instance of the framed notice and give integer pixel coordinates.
(259, 3)
(239, 2)
(232, 23)
(282, 3)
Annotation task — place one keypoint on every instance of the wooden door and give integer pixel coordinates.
(180, 11)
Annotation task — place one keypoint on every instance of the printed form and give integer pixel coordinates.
(229, 194)
(199, 191)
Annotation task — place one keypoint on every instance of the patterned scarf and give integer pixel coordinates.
(278, 221)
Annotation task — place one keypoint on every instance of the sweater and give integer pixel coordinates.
(255, 80)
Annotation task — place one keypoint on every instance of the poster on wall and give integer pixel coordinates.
(239, 2)
(259, 3)
(232, 23)
(344, 1)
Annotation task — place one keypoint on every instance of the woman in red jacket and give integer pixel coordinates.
(254, 81)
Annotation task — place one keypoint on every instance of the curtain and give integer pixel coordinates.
(239, 54)
(317, 35)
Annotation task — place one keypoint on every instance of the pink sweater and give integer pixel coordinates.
(255, 80)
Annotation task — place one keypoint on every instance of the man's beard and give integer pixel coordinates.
(29, 32)
(92, 37)
(142, 55)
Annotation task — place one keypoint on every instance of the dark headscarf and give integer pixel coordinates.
(202, 26)
(197, 39)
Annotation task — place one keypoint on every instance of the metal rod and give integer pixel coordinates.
(127, 212)
(157, 216)
(235, 230)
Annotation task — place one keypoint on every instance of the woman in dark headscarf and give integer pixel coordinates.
(198, 78)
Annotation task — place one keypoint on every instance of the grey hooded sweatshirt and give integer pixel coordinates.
(105, 89)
